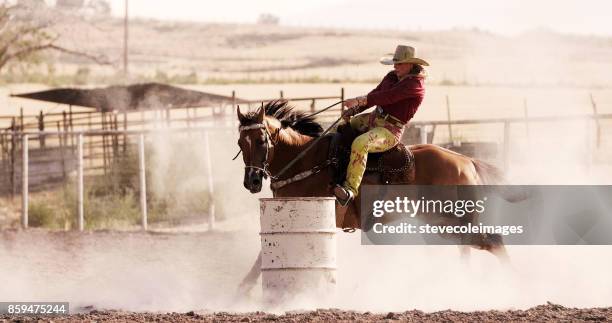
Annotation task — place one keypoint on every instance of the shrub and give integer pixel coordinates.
(41, 215)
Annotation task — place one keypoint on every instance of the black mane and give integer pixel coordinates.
(285, 113)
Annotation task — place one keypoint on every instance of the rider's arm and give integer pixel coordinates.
(407, 88)
(367, 105)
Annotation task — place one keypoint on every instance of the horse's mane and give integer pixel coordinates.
(288, 117)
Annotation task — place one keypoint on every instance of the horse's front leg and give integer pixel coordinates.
(251, 277)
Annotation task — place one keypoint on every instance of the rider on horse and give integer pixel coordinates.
(397, 98)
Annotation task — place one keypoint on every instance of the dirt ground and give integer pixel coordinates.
(549, 312)
(179, 272)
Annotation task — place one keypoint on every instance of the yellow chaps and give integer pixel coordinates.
(376, 140)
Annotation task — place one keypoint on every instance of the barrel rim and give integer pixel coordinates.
(305, 268)
(305, 198)
(300, 231)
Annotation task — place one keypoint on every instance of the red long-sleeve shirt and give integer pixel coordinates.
(400, 99)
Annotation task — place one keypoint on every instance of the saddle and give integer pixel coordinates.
(395, 166)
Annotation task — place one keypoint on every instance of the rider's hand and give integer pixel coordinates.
(350, 112)
(353, 106)
(351, 103)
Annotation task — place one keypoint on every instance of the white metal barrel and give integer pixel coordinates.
(298, 244)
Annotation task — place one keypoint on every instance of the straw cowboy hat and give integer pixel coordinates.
(403, 54)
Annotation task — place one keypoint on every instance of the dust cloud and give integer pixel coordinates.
(194, 270)
(184, 270)
(201, 271)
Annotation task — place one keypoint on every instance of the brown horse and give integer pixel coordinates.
(274, 135)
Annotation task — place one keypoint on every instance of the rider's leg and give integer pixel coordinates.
(376, 140)
(360, 122)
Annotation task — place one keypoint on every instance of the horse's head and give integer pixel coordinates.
(275, 125)
(257, 148)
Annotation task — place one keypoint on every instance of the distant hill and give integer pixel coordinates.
(258, 52)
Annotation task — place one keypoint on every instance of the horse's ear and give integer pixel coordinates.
(260, 114)
(240, 115)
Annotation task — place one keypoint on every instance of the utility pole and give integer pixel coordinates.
(125, 41)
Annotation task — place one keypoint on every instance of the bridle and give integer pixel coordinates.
(268, 141)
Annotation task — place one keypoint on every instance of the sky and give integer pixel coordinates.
(508, 17)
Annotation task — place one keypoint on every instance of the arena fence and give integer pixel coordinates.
(25, 169)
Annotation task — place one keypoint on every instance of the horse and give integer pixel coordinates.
(275, 134)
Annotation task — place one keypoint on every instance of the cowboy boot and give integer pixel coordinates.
(343, 195)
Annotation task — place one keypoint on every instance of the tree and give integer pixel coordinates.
(267, 19)
(70, 4)
(99, 7)
(32, 4)
(24, 34)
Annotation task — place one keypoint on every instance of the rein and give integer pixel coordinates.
(280, 183)
(268, 139)
(312, 144)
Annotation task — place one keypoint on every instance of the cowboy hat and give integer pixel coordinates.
(403, 54)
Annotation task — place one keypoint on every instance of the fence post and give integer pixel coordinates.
(13, 158)
(3, 150)
(233, 101)
(70, 127)
(91, 140)
(448, 117)
(282, 95)
(24, 184)
(80, 210)
(312, 106)
(41, 127)
(115, 137)
(526, 118)
(506, 145)
(103, 126)
(61, 147)
(597, 126)
(21, 124)
(143, 181)
(209, 173)
(65, 126)
(125, 127)
(423, 134)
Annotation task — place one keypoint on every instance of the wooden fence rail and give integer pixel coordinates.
(62, 138)
(25, 174)
(53, 133)
(43, 121)
(506, 122)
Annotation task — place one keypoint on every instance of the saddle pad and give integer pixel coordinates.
(395, 165)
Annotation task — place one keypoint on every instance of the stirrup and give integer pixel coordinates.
(343, 196)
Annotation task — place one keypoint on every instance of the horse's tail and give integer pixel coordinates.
(489, 174)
